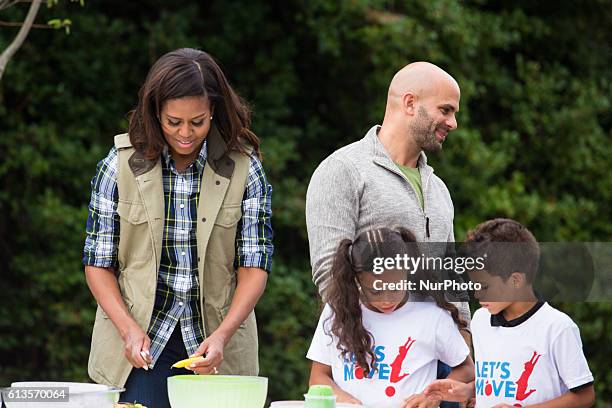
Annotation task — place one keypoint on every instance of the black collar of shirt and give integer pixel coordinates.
(498, 320)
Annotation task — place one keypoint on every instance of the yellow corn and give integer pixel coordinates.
(187, 362)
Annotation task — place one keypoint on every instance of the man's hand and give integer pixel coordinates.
(136, 346)
(420, 401)
(212, 348)
(449, 390)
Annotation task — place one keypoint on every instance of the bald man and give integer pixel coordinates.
(383, 180)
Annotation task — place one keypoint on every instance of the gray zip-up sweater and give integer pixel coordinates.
(358, 188)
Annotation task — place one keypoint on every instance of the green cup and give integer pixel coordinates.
(320, 396)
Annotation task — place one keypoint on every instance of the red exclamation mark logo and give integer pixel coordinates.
(522, 382)
(396, 366)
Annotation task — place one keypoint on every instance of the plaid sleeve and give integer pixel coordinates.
(102, 227)
(254, 246)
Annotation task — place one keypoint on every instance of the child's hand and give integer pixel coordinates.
(346, 398)
(503, 406)
(449, 390)
(420, 401)
(471, 403)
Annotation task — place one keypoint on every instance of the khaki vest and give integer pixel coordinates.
(141, 212)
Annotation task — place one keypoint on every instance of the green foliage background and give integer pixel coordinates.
(533, 140)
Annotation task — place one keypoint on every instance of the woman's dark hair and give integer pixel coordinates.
(353, 258)
(189, 72)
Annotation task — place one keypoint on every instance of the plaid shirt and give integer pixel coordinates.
(178, 289)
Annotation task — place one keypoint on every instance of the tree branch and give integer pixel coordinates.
(8, 3)
(15, 24)
(21, 36)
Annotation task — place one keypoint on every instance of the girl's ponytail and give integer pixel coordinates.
(343, 298)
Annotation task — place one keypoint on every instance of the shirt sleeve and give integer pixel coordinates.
(254, 246)
(450, 346)
(322, 346)
(102, 228)
(569, 358)
(332, 208)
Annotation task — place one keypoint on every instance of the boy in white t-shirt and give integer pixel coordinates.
(379, 347)
(528, 354)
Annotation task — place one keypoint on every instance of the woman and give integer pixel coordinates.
(178, 243)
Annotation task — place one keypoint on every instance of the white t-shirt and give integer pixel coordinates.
(407, 343)
(535, 361)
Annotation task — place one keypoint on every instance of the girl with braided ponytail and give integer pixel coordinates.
(377, 343)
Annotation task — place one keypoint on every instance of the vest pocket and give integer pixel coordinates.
(222, 313)
(135, 247)
(133, 213)
(229, 216)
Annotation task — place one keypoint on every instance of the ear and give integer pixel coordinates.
(409, 103)
(517, 280)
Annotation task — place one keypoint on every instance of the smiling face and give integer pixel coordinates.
(435, 116)
(185, 123)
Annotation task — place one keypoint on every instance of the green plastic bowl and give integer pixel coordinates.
(217, 391)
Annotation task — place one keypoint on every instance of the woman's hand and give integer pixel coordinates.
(346, 398)
(420, 401)
(212, 348)
(136, 346)
(251, 283)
